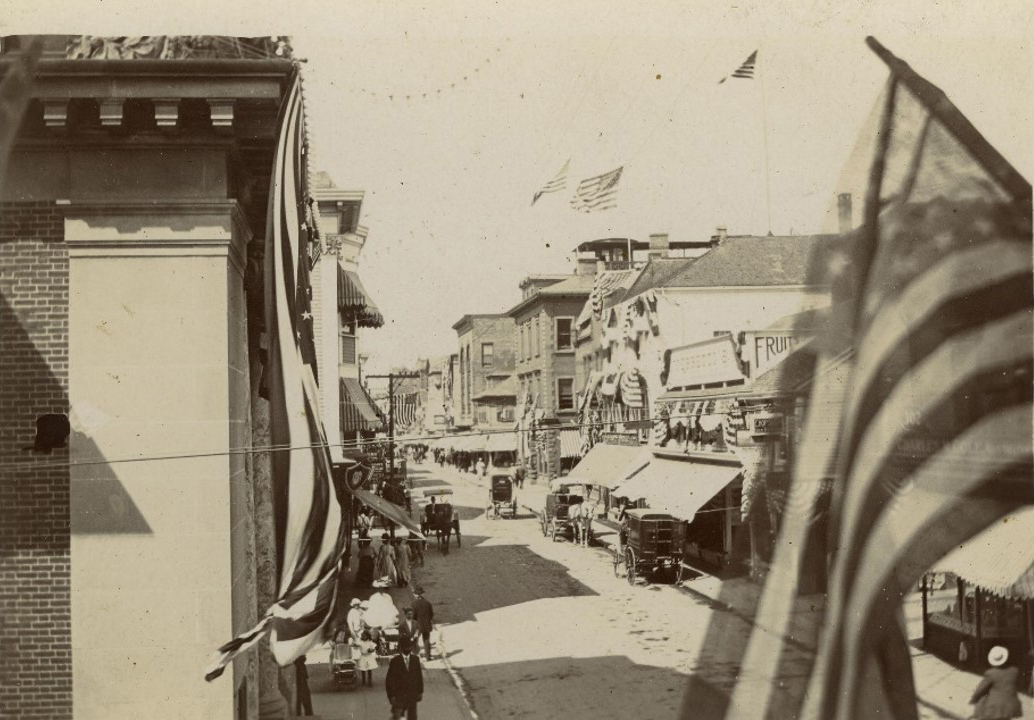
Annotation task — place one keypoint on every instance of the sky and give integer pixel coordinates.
(450, 115)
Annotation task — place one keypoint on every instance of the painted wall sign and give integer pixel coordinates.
(763, 424)
(769, 349)
(710, 361)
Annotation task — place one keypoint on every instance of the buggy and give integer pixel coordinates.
(652, 545)
(343, 661)
(443, 520)
(556, 519)
(502, 500)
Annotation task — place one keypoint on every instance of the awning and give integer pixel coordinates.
(389, 510)
(608, 465)
(353, 298)
(358, 413)
(999, 560)
(678, 487)
(570, 444)
(501, 442)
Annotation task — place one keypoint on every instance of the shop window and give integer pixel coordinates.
(565, 394)
(487, 354)
(564, 336)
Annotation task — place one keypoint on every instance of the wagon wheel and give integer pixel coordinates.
(619, 564)
(630, 568)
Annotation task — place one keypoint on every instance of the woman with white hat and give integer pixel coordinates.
(996, 696)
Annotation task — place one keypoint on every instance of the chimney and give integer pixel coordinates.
(586, 266)
(659, 245)
(844, 212)
(722, 233)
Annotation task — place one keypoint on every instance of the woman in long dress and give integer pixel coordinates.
(364, 573)
(384, 568)
(402, 562)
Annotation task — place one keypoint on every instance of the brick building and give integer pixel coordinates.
(133, 213)
(486, 366)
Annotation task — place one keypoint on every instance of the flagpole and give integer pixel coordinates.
(764, 133)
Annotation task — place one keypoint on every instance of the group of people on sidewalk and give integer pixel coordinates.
(390, 564)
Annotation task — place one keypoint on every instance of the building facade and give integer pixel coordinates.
(485, 395)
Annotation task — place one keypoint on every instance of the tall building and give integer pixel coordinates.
(487, 394)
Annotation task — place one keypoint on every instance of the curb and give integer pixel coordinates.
(457, 679)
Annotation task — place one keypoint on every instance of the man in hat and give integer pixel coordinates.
(404, 682)
(996, 696)
(424, 614)
(354, 619)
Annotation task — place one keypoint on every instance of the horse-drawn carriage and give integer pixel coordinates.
(653, 545)
(560, 517)
(502, 500)
(441, 519)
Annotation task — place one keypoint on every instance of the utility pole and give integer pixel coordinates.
(392, 377)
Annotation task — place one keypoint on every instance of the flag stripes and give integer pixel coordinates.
(745, 71)
(558, 183)
(310, 538)
(597, 193)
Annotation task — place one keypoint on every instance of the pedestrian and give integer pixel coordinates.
(384, 565)
(409, 628)
(996, 697)
(479, 468)
(402, 562)
(364, 571)
(354, 619)
(367, 662)
(404, 682)
(416, 550)
(423, 611)
(365, 522)
(303, 699)
(518, 477)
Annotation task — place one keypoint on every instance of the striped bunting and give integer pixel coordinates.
(744, 71)
(631, 389)
(558, 183)
(597, 193)
(309, 531)
(928, 443)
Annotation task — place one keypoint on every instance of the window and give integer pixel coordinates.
(535, 336)
(504, 414)
(564, 335)
(524, 341)
(487, 354)
(482, 414)
(565, 394)
(347, 349)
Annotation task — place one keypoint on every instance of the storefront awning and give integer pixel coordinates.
(999, 560)
(678, 487)
(353, 298)
(358, 412)
(389, 510)
(570, 444)
(501, 442)
(608, 465)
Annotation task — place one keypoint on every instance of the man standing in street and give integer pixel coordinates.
(303, 703)
(404, 682)
(424, 619)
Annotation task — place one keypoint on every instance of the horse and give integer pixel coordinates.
(587, 512)
(574, 514)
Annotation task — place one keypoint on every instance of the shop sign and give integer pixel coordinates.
(770, 349)
(710, 361)
(617, 438)
(766, 424)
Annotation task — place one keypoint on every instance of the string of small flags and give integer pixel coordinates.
(432, 94)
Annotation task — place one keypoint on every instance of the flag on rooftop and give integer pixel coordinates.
(597, 193)
(558, 183)
(744, 71)
(310, 540)
(917, 436)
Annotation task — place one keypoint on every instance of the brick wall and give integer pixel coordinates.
(35, 598)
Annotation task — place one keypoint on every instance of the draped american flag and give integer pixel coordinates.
(597, 193)
(922, 425)
(558, 183)
(744, 71)
(310, 540)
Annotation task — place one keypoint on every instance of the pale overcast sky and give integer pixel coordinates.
(501, 95)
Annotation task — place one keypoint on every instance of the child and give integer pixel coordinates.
(367, 658)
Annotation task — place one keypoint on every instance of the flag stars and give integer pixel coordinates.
(306, 315)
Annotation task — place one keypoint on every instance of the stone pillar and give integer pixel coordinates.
(162, 548)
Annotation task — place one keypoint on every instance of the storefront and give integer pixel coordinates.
(605, 467)
(981, 595)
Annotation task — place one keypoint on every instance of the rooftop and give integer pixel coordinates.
(657, 272)
(753, 261)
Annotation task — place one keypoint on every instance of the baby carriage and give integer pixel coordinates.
(343, 661)
(382, 619)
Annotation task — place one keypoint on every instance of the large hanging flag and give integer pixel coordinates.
(744, 71)
(925, 436)
(310, 540)
(597, 193)
(558, 183)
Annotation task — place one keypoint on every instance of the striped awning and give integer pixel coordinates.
(358, 413)
(677, 487)
(999, 560)
(609, 465)
(353, 299)
(570, 444)
(501, 442)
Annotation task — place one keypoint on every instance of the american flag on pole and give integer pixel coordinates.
(744, 71)
(308, 520)
(558, 183)
(597, 193)
(924, 430)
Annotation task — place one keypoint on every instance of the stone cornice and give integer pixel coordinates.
(215, 228)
